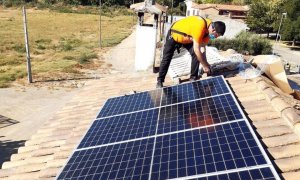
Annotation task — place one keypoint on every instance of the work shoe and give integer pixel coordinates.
(193, 79)
(159, 84)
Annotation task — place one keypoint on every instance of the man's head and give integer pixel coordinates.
(216, 29)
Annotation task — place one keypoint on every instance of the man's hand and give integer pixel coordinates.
(206, 69)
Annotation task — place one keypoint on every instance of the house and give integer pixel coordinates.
(231, 11)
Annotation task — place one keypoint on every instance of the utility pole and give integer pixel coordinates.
(172, 13)
(283, 15)
(27, 46)
(133, 21)
(100, 45)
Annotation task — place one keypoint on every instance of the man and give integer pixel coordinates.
(192, 33)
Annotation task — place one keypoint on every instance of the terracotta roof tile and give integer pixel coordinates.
(290, 115)
(56, 163)
(288, 164)
(20, 156)
(267, 123)
(285, 151)
(4, 173)
(270, 93)
(28, 168)
(291, 175)
(45, 151)
(264, 116)
(63, 154)
(283, 140)
(24, 176)
(48, 173)
(31, 160)
(44, 140)
(266, 132)
(24, 149)
(259, 109)
(278, 104)
(252, 97)
(250, 104)
(52, 144)
(221, 7)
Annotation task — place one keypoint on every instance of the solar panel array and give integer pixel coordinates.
(190, 131)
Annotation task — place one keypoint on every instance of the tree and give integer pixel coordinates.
(291, 25)
(263, 15)
(256, 19)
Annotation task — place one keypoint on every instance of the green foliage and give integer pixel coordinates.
(43, 41)
(69, 58)
(292, 8)
(71, 69)
(244, 42)
(19, 48)
(12, 62)
(264, 15)
(87, 57)
(291, 25)
(291, 30)
(68, 44)
(11, 3)
(7, 77)
(257, 16)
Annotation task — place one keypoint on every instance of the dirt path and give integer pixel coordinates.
(122, 56)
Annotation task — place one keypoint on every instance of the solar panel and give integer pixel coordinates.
(129, 159)
(261, 173)
(207, 150)
(121, 128)
(194, 114)
(190, 131)
(195, 90)
(131, 103)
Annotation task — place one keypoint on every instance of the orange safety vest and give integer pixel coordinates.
(189, 28)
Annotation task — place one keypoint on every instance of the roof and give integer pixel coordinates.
(219, 7)
(48, 150)
(141, 7)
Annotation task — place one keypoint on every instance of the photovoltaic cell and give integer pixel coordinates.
(261, 173)
(131, 103)
(207, 150)
(198, 113)
(130, 160)
(190, 91)
(121, 128)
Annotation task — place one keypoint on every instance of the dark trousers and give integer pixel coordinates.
(168, 52)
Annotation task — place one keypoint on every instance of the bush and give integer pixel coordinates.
(68, 44)
(19, 48)
(86, 58)
(244, 42)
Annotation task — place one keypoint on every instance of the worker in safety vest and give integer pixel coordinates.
(192, 33)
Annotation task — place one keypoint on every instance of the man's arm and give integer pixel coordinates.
(201, 56)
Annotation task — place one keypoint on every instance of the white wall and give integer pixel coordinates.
(145, 47)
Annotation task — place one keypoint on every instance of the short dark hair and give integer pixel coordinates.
(220, 27)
